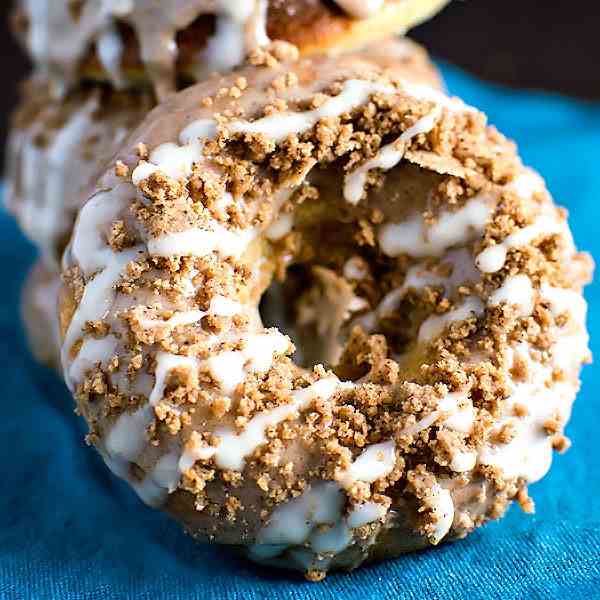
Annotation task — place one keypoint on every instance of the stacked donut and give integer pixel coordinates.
(315, 308)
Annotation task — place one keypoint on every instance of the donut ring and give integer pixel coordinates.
(402, 228)
(173, 43)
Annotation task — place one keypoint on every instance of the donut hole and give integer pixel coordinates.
(318, 307)
(281, 307)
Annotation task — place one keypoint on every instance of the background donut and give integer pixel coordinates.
(55, 148)
(173, 43)
(462, 327)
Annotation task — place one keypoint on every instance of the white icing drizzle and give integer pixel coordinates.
(356, 268)
(387, 157)
(240, 27)
(414, 238)
(462, 413)
(365, 513)
(229, 368)
(110, 52)
(492, 259)
(518, 291)
(58, 42)
(418, 277)
(94, 257)
(279, 126)
(375, 462)
(92, 353)
(442, 511)
(165, 363)
(200, 242)
(529, 453)
(233, 448)
(280, 227)
(463, 461)
(312, 527)
(434, 325)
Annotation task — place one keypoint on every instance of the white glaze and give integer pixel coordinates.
(492, 259)
(280, 227)
(529, 453)
(89, 250)
(435, 325)
(416, 239)
(315, 521)
(201, 242)
(233, 448)
(110, 52)
(518, 291)
(387, 157)
(375, 462)
(58, 42)
(279, 126)
(442, 512)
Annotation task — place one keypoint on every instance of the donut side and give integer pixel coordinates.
(39, 314)
(438, 277)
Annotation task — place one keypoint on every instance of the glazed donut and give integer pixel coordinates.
(137, 42)
(435, 276)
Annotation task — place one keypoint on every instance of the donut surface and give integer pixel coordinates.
(431, 284)
(56, 146)
(172, 43)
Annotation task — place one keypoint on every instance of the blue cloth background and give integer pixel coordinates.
(69, 529)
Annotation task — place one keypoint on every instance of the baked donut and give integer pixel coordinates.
(434, 271)
(171, 43)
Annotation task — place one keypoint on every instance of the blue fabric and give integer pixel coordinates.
(69, 529)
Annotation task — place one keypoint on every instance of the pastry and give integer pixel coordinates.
(431, 290)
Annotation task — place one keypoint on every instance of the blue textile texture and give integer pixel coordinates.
(70, 530)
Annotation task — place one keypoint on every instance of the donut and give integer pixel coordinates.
(171, 43)
(392, 227)
(54, 150)
(57, 147)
